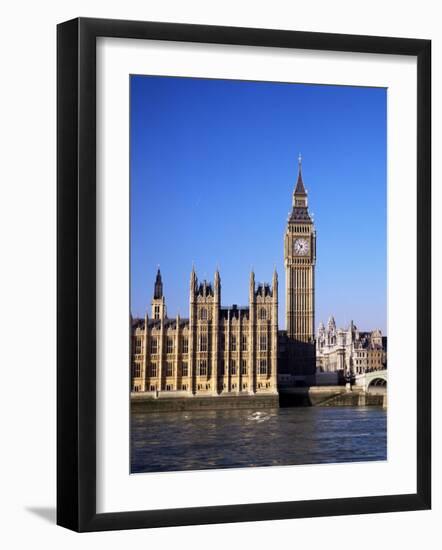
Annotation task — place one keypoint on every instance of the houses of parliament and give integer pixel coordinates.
(233, 350)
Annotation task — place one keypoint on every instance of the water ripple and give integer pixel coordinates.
(195, 440)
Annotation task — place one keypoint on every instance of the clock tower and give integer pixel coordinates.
(300, 259)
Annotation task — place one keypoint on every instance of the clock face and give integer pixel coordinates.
(301, 247)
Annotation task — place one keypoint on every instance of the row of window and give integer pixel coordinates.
(169, 345)
(244, 346)
(185, 387)
(203, 315)
(368, 361)
(203, 368)
(203, 345)
(169, 387)
(201, 387)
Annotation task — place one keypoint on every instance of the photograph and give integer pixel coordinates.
(258, 274)
(218, 234)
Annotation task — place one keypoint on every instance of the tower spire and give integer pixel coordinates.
(252, 284)
(158, 288)
(158, 300)
(300, 189)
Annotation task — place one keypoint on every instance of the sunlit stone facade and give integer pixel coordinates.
(300, 261)
(349, 351)
(234, 350)
(216, 351)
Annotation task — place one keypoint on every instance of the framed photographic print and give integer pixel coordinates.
(243, 274)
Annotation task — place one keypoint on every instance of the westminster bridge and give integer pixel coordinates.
(372, 381)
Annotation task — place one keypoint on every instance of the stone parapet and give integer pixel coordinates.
(147, 403)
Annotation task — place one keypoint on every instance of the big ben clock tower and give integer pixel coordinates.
(300, 259)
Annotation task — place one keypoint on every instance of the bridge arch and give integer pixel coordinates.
(377, 384)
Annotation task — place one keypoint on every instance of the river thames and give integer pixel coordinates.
(198, 440)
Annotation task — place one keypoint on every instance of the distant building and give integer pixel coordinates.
(349, 351)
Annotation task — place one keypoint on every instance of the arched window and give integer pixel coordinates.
(262, 314)
(169, 345)
(203, 314)
(202, 367)
(233, 343)
(233, 367)
(243, 342)
(203, 342)
(136, 370)
(185, 344)
(263, 342)
(153, 370)
(263, 366)
(243, 366)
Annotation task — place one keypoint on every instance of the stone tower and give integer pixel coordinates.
(158, 302)
(300, 259)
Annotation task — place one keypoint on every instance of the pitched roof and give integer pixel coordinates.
(300, 213)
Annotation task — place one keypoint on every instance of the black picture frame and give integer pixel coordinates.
(76, 274)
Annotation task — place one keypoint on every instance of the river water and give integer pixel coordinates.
(197, 440)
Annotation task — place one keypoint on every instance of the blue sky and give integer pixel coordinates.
(213, 166)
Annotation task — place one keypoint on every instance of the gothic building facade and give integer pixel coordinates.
(216, 351)
(349, 351)
(234, 350)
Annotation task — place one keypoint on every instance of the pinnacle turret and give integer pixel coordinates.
(158, 288)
